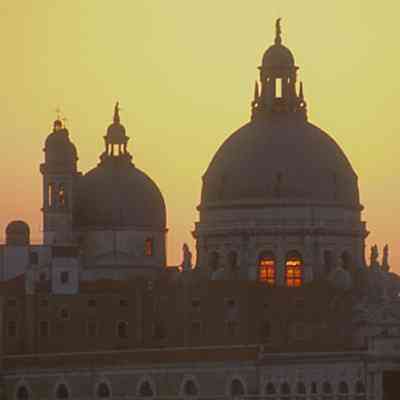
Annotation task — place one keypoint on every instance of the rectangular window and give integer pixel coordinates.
(278, 88)
(64, 277)
(11, 328)
(44, 329)
(92, 328)
(231, 327)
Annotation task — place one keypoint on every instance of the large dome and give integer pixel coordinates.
(282, 160)
(116, 194)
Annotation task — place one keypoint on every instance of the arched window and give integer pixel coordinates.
(103, 391)
(270, 389)
(22, 393)
(233, 261)
(267, 268)
(213, 261)
(346, 260)
(122, 329)
(300, 391)
(62, 392)
(62, 198)
(360, 391)
(343, 391)
(294, 269)
(190, 389)
(145, 389)
(285, 391)
(237, 388)
(327, 391)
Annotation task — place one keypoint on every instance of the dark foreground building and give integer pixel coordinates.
(280, 304)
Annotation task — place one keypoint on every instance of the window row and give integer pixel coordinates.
(236, 389)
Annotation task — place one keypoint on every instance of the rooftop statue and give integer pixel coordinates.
(187, 258)
(385, 259)
(374, 256)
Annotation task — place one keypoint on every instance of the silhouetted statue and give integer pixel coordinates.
(187, 258)
(374, 256)
(385, 259)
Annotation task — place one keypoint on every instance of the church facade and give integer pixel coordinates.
(281, 303)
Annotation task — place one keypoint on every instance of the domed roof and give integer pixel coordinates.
(58, 149)
(117, 194)
(19, 227)
(17, 233)
(283, 160)
(278, 56)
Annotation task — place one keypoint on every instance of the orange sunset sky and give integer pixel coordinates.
(184, 73)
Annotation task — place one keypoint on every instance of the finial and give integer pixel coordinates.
(116, 112)
(301, 93)
(278, 31)
(256, 91)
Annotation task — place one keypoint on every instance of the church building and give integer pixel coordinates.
(280, 303)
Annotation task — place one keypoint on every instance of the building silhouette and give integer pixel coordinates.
(281, 303)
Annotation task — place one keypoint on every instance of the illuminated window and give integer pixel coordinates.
(50, 195)
(294, 270)
(61, 196)
(267, 269)
(149, 247)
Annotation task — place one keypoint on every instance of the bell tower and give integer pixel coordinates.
(60, 175)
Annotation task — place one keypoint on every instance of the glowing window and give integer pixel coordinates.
(50, 195)
(61, 196)
(294, 270)
(267, 269)
(149, 247)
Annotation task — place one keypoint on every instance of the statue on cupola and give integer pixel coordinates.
(116, 141)
(278, 78)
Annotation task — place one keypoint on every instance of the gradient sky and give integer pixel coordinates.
(184, 72)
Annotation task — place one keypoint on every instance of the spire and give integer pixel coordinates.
(256, 91)
(116, 113)
(301, 93)
(278, 31)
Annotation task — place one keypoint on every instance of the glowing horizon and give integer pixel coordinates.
(184, 74)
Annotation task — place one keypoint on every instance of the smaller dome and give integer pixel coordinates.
(60, 152)
(17, 233)
(278, 56)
